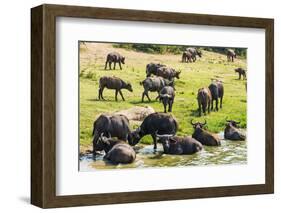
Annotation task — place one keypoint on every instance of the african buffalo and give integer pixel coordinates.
(194, 52)
(230, 55)
(204, 99)
(114, 57)
(187, 57)
(154, 84)
(115, 126)
(168, 73)
(175, 145)
(151, 68)
(167, 96)
(241, 72)
(160, 123)
(117, 151)
(232, 132)
(217, 91)
(203, 136)
(113, 83)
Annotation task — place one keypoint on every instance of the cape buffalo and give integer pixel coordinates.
(117, 151)
(187, 57)
(203, 136)
(154, 84)
(151, 68)
(230, 55)
(114, 57)
(217, 91)
(167, 96)
(194, 52)
(241, 72)
(232, 132)
(115, 126)
(175, 145)
(113, 83)
(168, 73)
(204, 98)
(161, 123)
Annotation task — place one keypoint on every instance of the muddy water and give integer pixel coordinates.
(230, 152)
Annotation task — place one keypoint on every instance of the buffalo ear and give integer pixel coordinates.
(172, 140)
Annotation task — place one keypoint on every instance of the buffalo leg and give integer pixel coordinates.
(146, 94)
(232, 58)
(114, 65)
(110, 65)
(121, 95)
(199, 108)
(120, 65)
(95, 140)
(142, 97)
(116, 93)
(165, 107)
(209, 103)
(212, 104)
(154, 141)
(217, 104)
(105, 65)
(221, 102)
(239, 76)
(100, 93)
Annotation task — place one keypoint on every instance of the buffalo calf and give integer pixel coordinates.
(241, 72)
(114, 57)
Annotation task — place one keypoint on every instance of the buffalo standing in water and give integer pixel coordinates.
(217, 92)
(161, 123)
(114, 57)
(232, 132)
(175, 145)
(117, 151)
(115, 126)
(113, 83)
(204, 98)
(230, 55)
(203, 136)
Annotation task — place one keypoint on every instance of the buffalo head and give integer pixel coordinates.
(177, 74)
(123, 60)
(198, 124)
(233, 123)
(129, 87)
(135, 137)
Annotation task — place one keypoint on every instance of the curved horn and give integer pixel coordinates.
(205, 122)
(164, 135)
(192, 122)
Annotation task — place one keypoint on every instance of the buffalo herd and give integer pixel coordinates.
(112, 133)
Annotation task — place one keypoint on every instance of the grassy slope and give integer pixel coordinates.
(193, 76)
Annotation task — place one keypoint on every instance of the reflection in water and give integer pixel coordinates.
(230, 152)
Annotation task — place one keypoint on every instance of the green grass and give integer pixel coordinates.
(193, 76)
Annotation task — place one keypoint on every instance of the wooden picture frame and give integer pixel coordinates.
(43, 105)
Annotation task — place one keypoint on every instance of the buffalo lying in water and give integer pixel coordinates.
(117, 151)
(232, 132)
(175, 145)
(203, 136)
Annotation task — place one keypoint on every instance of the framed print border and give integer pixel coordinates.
(43, 105)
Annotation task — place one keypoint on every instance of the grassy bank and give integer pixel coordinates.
(193, 76)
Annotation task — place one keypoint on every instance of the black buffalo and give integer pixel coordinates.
(111, 126)
(230, 55)
(117, 151)
(187, 57)
(232, 132)
(241, 72)
(203, 136)
(194, 52)
(167, 96)
(154, 84)
(114, 57)
(204, 99)
(175, 145)
(151, 68)
(113, 83)
(160, 123)
(168, 73)
(217, 91)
